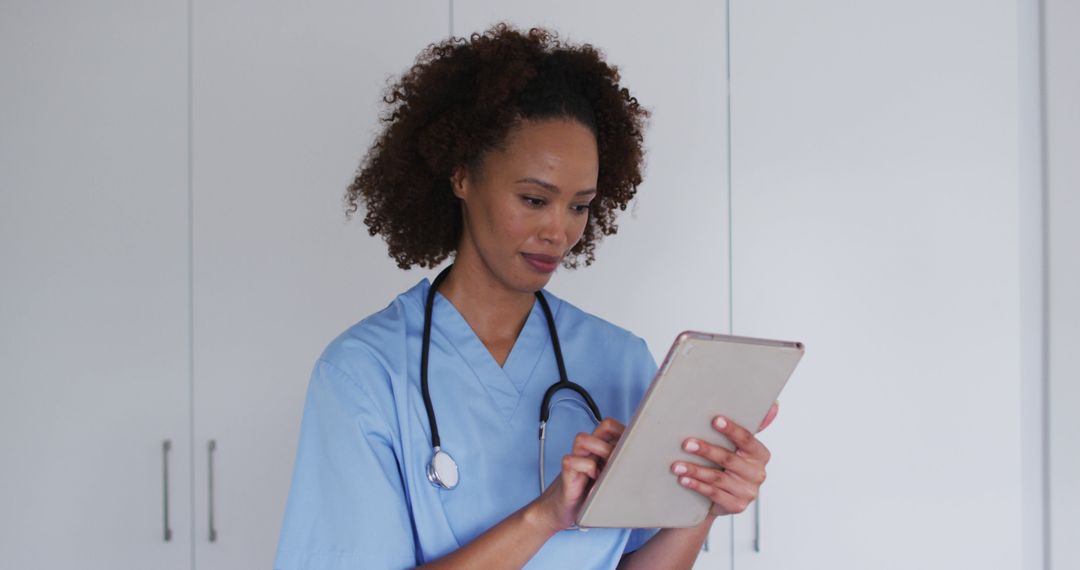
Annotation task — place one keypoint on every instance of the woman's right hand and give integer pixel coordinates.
(559, 504)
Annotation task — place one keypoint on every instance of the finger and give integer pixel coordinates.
(587, 444)
(742, 438)
(709, 475)
(609, 430)
(746, 468)
(573, 465)
(770, 416)
(727, 480)
(728, 503)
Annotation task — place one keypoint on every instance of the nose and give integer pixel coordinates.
(554, 228)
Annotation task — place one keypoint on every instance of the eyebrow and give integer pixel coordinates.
(553, 188)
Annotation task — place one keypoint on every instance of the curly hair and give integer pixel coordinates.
(458, 101)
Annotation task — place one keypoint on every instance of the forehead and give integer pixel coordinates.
(560, 148)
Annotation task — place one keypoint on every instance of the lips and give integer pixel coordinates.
(542, 263)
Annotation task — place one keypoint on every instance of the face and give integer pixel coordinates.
(528, 204)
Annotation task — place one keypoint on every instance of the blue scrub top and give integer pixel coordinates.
(360, 497)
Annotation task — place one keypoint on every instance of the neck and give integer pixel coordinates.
(494, 312)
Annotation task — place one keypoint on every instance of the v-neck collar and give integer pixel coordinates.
(505, 384)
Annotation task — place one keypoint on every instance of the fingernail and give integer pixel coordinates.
(685, 481)
(680, 469)
(720, 423)
(691, 446)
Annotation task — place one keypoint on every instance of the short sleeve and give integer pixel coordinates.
(347, 506)
(638, 538)
(646, 365)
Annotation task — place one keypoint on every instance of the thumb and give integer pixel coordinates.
(769, 417)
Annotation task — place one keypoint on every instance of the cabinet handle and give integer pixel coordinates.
(757, 524)
(210, 447)
(166, 446)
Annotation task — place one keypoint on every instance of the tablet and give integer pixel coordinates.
(703, 376)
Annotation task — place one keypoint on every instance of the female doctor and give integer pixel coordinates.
(511, 153)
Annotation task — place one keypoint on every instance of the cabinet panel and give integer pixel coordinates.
(875, 203)
(1063, 241)
(94, 349)
(285, 105)
(281, 120)
(666, 270)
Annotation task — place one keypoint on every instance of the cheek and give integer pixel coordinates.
(515, 229)
(578, 229)
(510, 224)
(498, 219)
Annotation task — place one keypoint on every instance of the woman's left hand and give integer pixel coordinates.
(734, 484)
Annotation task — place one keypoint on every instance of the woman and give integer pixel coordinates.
(512, 153)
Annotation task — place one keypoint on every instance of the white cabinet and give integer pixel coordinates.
(285, 106)
(102, 317)
(1063, 274)
(281, 121)
(172, 276)
(667, 269)
(877, 195)
(94, 344)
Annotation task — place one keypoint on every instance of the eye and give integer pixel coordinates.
(533, 201)
(581, 208)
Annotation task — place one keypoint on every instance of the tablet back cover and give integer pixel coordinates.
(703, 375)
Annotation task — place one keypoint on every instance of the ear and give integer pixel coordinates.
(459, 182)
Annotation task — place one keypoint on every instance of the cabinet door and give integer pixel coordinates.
(666, 270)
(285, 105)
(1062, 81)
(94, 348)
(876, 199)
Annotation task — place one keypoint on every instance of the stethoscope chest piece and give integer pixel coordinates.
(442, 471)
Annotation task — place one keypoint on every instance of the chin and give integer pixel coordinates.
(530, 280)
(532, 283)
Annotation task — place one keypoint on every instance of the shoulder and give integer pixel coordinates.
(613, 363)
(376, 345)
(595, 332)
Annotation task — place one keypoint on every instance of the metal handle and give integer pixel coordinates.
(757, 524)
(166, 446)
(210, 447)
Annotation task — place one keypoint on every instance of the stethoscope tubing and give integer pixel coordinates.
(425, 348)
(434, 475)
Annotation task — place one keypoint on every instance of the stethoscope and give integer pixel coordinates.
(442, 471)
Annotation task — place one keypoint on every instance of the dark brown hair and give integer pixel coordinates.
(458, 101)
